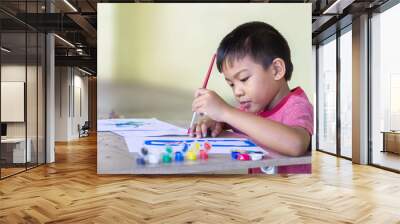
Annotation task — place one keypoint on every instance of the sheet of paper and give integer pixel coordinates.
(157, 145)
(170, 132)
(135, 124)
(156, 135)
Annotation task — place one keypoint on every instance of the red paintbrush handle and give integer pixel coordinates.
(209, 72)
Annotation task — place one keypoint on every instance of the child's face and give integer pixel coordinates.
(253, 86)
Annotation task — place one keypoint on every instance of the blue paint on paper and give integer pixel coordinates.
(214, 143)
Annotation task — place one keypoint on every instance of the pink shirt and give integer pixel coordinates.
(293, 110)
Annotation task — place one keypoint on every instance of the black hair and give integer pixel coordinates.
(259, 40)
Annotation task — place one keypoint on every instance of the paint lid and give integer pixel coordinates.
(256, 156)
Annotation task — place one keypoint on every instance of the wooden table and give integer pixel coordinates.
(113, 157)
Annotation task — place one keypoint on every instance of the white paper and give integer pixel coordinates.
(132, 134)
(156, 135)
(135, 124)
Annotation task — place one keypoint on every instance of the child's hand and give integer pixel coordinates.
(200, 130)
(209, 103)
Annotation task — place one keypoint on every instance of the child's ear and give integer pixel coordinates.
(280, 69)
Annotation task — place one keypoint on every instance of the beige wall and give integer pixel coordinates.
(71, 96)
(17, 73)
(169, 46)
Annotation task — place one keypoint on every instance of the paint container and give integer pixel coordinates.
(256, 156)
(153, 159)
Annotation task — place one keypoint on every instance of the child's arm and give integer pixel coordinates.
(284, 139)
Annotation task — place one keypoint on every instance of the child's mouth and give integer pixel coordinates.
(245, 105)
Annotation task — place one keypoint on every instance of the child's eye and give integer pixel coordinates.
(245, 79)
(229, 83)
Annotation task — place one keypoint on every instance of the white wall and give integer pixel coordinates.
(80, 109)
(16, 73)
(71, 94)
(62, 81)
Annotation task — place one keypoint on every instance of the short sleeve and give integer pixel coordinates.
(300, 114)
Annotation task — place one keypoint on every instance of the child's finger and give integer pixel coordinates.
(192, 130)
(204, 130)
(198, 131)
(199, 108)
(217, 130)
(197, 104)
(200, 92)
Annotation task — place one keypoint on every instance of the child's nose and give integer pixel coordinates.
(238, 91)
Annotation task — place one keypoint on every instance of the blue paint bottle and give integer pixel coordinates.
(179, 157)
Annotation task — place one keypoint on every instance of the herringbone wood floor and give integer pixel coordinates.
(70, 191)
